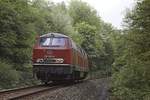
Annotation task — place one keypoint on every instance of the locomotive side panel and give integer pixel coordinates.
(79, 62)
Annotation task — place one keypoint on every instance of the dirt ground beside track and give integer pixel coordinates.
(87, 90)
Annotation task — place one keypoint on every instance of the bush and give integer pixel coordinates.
(8, 76)
(131, 82)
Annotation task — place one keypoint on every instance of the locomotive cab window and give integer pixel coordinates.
(53, 41)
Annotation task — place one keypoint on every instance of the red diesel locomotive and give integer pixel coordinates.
(56, 57)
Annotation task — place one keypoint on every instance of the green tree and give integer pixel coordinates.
(16, 38)
(132, 80)
(82, 12)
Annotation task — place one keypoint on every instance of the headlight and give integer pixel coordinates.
(40, 60)
(59, 60)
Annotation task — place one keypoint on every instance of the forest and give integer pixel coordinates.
(122, 54)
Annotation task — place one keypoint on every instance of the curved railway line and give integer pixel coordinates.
(33, 92)
(28, 93)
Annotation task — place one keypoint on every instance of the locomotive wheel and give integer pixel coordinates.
(80, 75)
(75, 75)
(57, 81)
(85, 75)
(45, 83)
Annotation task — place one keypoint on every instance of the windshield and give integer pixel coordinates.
(49, 41)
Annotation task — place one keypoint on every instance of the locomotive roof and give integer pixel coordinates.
(53, 35)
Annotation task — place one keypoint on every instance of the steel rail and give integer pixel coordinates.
(6, 94)
(17, 89)
(34, 93)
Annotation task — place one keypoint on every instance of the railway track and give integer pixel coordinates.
(32, 92)
(28, 93)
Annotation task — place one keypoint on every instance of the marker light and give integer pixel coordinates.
(40, 60)
(59, 60)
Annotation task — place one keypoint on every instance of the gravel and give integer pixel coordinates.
(87, 90)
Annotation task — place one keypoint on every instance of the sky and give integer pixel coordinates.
(111, 11)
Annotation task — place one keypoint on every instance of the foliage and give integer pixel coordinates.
(7, 75)
(82, 12)
(16, 39)
(131, 81)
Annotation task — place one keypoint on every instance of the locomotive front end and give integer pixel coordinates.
(52, 58)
